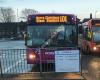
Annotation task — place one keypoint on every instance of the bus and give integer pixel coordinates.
(49, 32)
(91, 36)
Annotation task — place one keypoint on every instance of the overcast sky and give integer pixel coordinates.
(81, 8)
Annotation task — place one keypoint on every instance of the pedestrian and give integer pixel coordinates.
(25, 38)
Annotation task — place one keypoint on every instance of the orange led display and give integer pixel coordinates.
(50, 19)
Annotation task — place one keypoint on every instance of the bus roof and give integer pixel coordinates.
(95, 21)
(51, 14)
(51, 18)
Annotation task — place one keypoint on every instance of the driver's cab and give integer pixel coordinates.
(60, 37)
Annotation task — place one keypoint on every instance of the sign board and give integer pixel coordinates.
(67, 61)
(51, 19)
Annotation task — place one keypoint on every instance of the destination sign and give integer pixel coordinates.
(51, 19)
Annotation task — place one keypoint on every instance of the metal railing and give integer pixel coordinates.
(13, 65)
(13, 61)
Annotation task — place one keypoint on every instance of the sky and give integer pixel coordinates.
(81, 8)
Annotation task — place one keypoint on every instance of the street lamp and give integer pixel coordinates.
(95, 13)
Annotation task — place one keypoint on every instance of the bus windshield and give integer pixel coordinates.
(52, 35)
(96, 33)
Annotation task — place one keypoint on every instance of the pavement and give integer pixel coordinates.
(8, 39)
(47, 76)
(5, 39)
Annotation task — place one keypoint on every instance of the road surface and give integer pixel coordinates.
(91, 67)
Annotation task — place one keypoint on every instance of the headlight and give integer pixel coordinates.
(94, 48)
(32, 56)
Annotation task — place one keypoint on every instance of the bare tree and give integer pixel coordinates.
(1, 1)
(27, 12)
(6, 14)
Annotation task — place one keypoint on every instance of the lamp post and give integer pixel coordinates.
(18, 29)
(95, 13)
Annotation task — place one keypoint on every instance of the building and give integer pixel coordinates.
(12, 30)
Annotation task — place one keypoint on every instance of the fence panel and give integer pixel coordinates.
(13, 65)
(13, 61)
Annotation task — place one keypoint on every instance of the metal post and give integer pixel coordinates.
(40, 63)
(81, 63)
(1, 67)
(95, 13)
